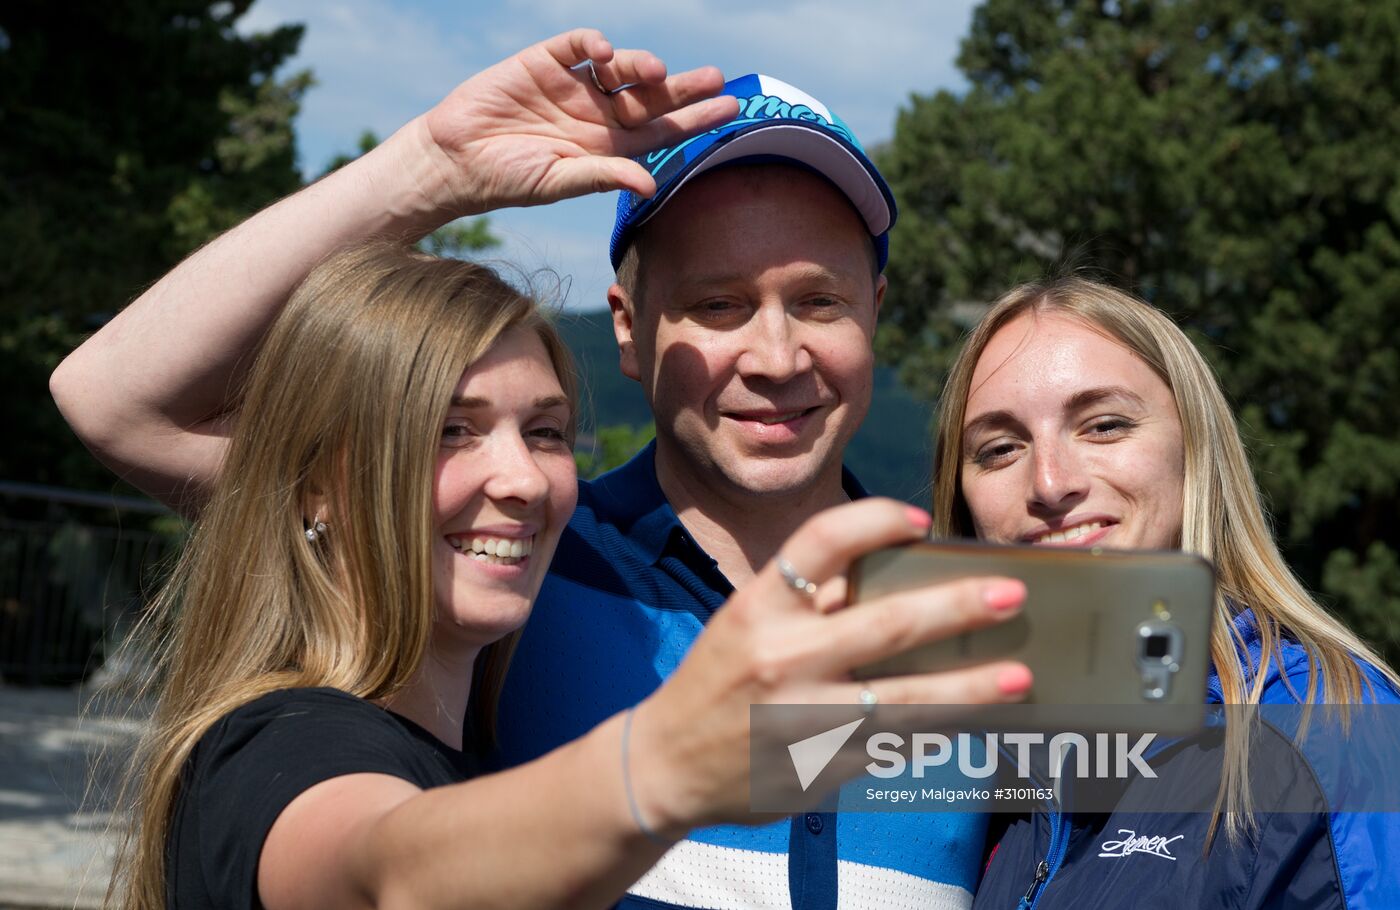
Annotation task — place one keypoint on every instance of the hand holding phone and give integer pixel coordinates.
(1099, 627)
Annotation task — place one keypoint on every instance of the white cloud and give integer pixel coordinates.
(380, 63)
(862, 60)
(377, 65)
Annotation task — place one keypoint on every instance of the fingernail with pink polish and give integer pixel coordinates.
(919, 518)
(1004, 596)
(1014, 680)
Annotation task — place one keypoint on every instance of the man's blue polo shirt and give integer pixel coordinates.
(628, 592)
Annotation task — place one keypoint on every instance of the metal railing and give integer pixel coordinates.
(70, 586)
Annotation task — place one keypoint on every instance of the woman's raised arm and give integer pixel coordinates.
(151, 393)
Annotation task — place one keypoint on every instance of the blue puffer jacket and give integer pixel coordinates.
(1128, 858)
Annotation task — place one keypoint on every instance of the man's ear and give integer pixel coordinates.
(880, 286)
(623, 309)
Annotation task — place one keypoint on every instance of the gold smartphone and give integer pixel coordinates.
(1098, 627)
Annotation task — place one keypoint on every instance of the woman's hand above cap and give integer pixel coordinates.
(534, 128)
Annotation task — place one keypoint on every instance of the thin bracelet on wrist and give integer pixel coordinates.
(627, 784)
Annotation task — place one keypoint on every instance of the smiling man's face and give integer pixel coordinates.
(753, 339)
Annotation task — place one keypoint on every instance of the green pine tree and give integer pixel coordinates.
(1236, 163)
(133, 133)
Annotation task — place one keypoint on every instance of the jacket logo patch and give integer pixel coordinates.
(1132, 843)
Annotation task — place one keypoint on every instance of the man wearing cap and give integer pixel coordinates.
(746, 299)
(748, 288)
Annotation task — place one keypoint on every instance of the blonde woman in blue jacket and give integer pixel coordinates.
(1079, 416)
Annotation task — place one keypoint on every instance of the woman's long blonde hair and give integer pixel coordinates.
(343, 405)
(1222, 516)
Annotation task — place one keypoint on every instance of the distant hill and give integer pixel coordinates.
(891, 453)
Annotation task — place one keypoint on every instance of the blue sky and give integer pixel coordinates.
(379, 63)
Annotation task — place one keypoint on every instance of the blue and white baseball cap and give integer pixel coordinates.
(775, 122)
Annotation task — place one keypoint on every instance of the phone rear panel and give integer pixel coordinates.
(1097, 627)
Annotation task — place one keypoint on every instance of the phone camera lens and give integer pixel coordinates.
(1159, 654)
(1156, 646)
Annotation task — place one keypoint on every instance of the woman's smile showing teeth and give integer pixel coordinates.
(1078, 535)
(494, 550)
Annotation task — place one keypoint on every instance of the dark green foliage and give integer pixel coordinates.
(609, 447)
(132, 134)
(118, 116)
(39, 447)
(1236, 163)
(461, 238)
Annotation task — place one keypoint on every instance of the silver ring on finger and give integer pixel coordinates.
(598, 83)
(868, 701)
(794, 580)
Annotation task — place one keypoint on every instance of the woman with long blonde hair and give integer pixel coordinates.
(1079, 416)
(375, 515)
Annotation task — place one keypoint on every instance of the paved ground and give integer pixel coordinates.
(58, 769)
